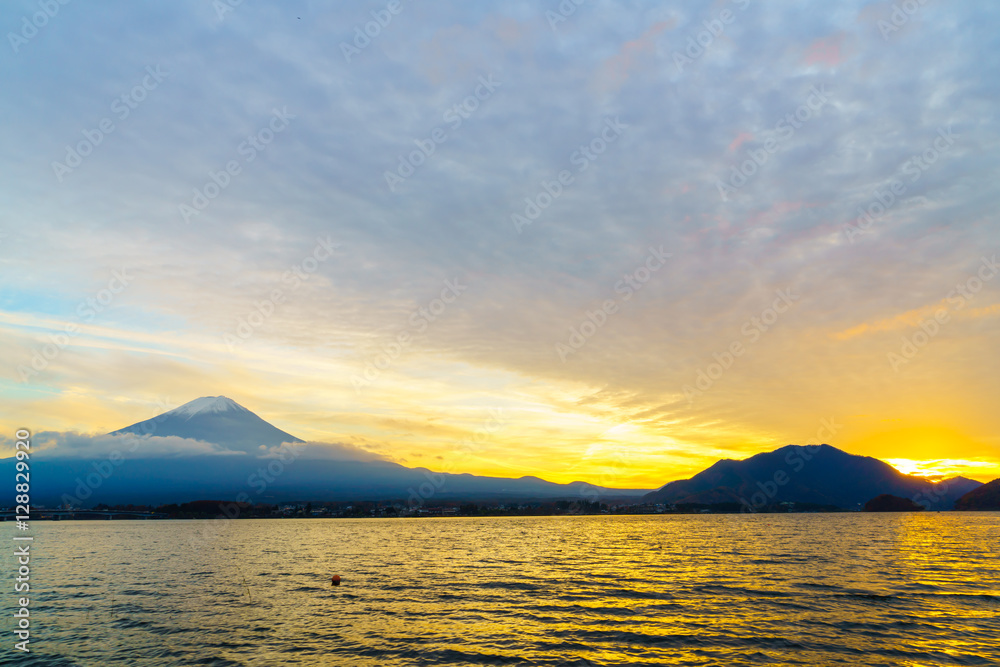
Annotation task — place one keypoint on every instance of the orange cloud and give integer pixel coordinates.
(913, 318)
(826, 51)
(511, 31)
(617, 68)
(987, 311)
(775, 211)
(740, 139)
(910, 318)
(681, 189)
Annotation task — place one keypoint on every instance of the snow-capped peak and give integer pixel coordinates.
(207, 404)
(215, 419)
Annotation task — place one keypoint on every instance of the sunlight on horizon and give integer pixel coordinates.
(938, 469)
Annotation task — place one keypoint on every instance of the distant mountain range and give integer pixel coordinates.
(818, 474)
(241, 470)
(184, 479)
(246, 469)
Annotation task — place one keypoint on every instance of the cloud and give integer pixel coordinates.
(740, 139)
(333, 451)
(826, 50)
(239, 264)
(617, 69)
(62, 444)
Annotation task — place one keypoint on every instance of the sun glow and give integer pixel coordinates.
(938, 469)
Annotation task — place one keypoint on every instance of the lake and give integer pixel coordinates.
(798, 589)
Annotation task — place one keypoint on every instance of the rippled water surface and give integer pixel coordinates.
(822, 589)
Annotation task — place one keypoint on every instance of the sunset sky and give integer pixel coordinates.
(620, 242)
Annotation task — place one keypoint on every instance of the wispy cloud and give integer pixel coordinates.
(323, 176)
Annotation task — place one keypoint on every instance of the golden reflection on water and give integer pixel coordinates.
(850, 589)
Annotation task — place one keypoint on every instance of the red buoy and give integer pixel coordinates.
(335, 580)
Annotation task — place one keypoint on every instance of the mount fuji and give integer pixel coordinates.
(248, 464)
(214, 419)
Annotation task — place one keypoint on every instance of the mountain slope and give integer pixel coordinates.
(816, 474)
(183, 479)
(305, 473)
(985, 497)
(959, 486)
(214, 419)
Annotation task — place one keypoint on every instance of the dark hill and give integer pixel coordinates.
(818, 474)
(890, 503)
(986, 497)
